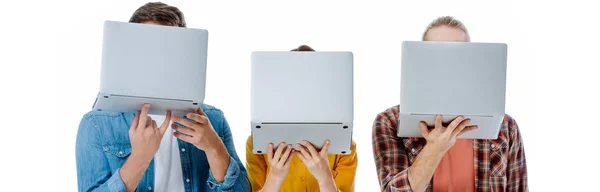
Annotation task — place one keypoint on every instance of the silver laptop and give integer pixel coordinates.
(161, 65)
(299, 96)
(451, 79)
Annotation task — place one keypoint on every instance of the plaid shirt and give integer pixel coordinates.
(499, 164)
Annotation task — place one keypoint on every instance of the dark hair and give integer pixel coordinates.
(303, 48)
(160, 13)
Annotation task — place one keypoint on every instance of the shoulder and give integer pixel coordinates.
(509, 124)
(212, 112)
(249, 142)
(387, 118)
(98, 118)
(389, 113)
(107, 125)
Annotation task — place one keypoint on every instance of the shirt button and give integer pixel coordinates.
(302, 179)
(182, 149)
(413, 150)
(120, 152)
(149, 188)
(493, 146)
(187, 180)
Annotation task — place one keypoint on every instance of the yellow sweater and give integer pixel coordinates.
(343, 168)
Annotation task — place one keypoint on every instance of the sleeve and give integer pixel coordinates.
(390, 156)
(517, 168)
(257, 167)
(93, 170)
(236, 178)
(345, 170)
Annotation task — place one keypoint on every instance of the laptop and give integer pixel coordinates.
(298, 96)
(451, 79)
(161, 65)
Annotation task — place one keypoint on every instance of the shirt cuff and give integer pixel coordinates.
(115, 183)
(233, 172)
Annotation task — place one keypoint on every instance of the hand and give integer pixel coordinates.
(144, 135)
(280, 161)
(441, 138)
(316, 161)
(200, 133)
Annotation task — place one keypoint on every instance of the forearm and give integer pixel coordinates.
(421, 172)
(327, 184)
(218, 160)
(272, 184)
(132, 172)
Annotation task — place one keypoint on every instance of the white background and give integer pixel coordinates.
(50, 61)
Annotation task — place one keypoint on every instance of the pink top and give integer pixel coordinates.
(455, 171)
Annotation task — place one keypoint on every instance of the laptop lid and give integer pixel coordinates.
(298, 96)
(153, 63)
(302, 87)
(453, 78)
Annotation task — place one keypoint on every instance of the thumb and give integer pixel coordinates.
(135, 121)
(424, 129)
(163, 128)
(325, 148)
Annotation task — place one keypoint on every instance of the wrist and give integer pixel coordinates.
(326, 178)
(327, 183)
(275, 178)
(139, 159)
(432, 151)
(218, 151)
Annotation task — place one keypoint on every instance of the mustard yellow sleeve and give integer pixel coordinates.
(256, 166)
(345, 170)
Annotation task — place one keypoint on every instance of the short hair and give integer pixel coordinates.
(158, 12)
(303, 48)
(447, 21)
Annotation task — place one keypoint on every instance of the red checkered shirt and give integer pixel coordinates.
(499, 164)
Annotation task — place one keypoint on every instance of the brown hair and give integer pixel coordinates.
(160, 13)
(447, 21)
(303, 48)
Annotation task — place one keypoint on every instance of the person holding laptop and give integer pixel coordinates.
(141, 152)
(309, 169)
(439, 161)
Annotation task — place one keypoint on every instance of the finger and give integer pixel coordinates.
(135, 121)
(183, 137)
(270, 152)
(438, 121)
(154, 126)
(198, 118)
(460, 127)
(468, 129)
(454, 123)
(325, 148)
(278, 152)
(200, 111)
(302, 158)
(163, 128)
(183, 121)
(311, 148)
(183, 130)
(285, 156)
(287, 162)
(303, 151)
(424, 130)
(144, 115)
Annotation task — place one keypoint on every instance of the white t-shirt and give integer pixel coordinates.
(167, 162)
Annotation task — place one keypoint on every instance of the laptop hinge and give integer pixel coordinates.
(142, 97)
(453, 115)
(305, 123)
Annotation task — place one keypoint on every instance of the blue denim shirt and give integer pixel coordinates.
(103, 147)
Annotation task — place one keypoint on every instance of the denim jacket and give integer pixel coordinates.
(103, 147)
